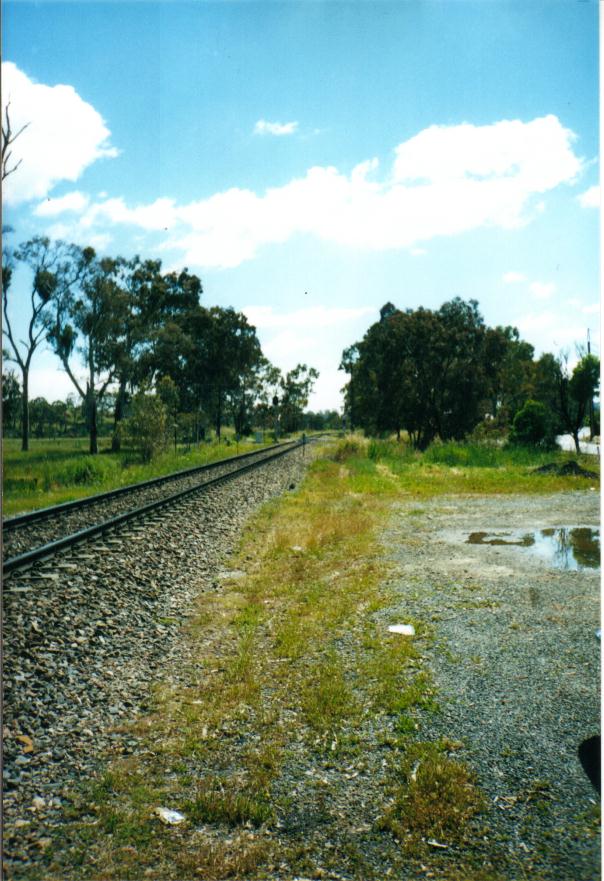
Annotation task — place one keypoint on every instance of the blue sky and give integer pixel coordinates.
(312, 160)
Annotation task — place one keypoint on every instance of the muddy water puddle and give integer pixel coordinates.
(564, 547)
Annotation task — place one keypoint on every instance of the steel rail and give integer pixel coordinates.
(43, 513)
(23, 561)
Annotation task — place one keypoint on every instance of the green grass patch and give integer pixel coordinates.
(62, 470)
(219, 803)
(436, 800)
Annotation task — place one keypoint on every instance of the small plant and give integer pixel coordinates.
(217, 804)
(437, 799)
(328, 700)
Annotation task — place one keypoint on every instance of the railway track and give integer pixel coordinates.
(88, 628)
(37, 535)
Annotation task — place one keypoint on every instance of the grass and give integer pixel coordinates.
(300, 718)
(55, 471)
(436, 802)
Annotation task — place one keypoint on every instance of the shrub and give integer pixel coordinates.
(146, 429)
(348, 448)
(532, 425)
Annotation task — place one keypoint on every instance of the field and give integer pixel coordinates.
(302, 739)
(55, 471)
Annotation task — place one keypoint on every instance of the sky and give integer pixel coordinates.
(312, 160)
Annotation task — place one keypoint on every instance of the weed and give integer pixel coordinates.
(327, 699)
(437, 799)
(217, 804)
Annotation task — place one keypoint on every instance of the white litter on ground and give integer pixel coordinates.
(404, 629)
(168, 816)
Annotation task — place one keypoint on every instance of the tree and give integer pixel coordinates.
(50, 267)
(155, 302)
(168, 395)
(8, 139)
(510, 371)
(11, 399)
(89, 320)
(350, 356)
(296, 387)
(423, 371)
(567, 394)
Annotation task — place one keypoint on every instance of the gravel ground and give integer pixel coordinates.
(86, 634)
(516, 662)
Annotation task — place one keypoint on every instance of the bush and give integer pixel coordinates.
(532, 426)
(348, 448)
(147, 428)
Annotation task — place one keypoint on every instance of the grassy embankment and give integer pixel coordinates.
(296, 748)
(55, 471)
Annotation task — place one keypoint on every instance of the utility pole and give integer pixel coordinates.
(591, 400)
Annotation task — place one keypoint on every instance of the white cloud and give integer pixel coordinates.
(514, 277)
(75, 202)
(590, 198)
(418, 252)
(533, 156)
(542, 290)
(263, 127)
(594, 309)
(64, 135)
(440, 184)
(549, 332)
(313, 318)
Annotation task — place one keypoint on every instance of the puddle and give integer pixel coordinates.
(565, 547)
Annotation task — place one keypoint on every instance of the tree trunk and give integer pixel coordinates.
(92, 415)
(575, 434)
(25, 412)
(120, 407)
(219, 415)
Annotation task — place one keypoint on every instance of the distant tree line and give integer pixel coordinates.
(130, 334)
(441, 373)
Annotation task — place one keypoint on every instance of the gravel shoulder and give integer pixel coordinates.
(516, 663)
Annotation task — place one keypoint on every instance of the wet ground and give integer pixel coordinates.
(564, 547)
(516, 660)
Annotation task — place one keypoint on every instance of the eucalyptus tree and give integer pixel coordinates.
(87, 328)
(567, 393)
(422, 370)
(296, 387)
(9, 136)
(230, 357)
(51, 271)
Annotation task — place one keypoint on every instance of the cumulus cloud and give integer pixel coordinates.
(590, 198)
(445, 181)
(64, 135)
(548, 332)
(514, 277)
(70, 202)
(263, 127)
(312, 318)
(542, 290)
